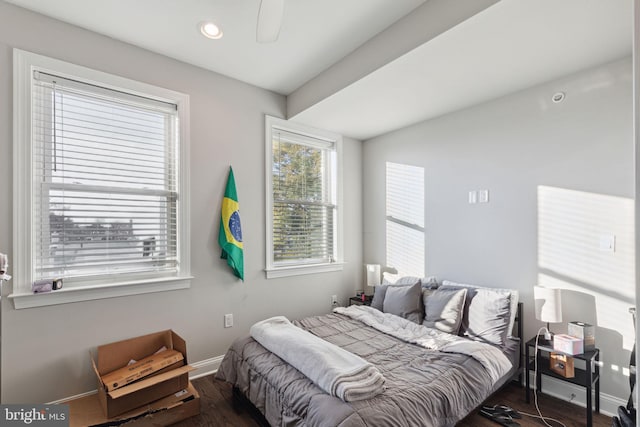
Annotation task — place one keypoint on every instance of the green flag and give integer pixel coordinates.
(230, 237)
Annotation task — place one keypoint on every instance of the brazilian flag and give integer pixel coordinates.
(230, 237)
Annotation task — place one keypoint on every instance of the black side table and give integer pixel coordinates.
(359, 301)
(589, 378)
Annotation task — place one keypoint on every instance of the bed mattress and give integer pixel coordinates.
(423, 387)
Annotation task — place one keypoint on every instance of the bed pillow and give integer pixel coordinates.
(429, 282)
(396, 279)
(514, 298)
(443, 309)
(487, 313)
(380, 291)
(404, 301)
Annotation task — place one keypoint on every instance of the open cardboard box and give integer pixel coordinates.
(169, 380)
(87, 411)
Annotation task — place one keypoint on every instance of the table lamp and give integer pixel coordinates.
(548, 306)
(373, 275)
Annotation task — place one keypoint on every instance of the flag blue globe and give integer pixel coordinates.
(234, 226)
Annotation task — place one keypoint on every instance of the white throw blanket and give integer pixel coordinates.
(335, 370)
(493, 360)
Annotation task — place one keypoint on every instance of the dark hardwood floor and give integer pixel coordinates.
(216, 409)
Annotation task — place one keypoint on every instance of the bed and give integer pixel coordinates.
(428, 385)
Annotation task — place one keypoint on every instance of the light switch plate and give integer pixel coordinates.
(608, 242)
(228, 320)
(473, 197)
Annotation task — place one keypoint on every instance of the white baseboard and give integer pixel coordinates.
(205, 367)
(77, 396)
(202, 368)
(564, 391)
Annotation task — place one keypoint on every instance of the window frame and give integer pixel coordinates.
(292, 269)
(24, 65)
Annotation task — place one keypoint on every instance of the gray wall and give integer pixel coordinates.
(45, 351)
(559, 175)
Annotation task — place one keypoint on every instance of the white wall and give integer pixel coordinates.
(559, 177)
(45, 351)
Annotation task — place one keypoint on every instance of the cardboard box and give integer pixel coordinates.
(567, 344)
(585, 332)
(110, 357)
(562, 365)
(87, 411)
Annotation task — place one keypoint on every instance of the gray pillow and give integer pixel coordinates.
(429, 282)
(443, 309)
(514, 297)
(378, 296)
(487, 313)
(380, 291)
(404, 301)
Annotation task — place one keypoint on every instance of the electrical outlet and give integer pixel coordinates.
(228, 320)
(334, 300)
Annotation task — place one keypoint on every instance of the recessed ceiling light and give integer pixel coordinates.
(210, 30)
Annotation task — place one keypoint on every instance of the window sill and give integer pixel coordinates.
(77, 294)
(297, 270)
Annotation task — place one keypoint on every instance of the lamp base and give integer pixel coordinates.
(548, 335)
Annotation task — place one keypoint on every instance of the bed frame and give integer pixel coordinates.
(242, 404)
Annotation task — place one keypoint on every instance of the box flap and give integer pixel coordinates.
(139, 385)
(95, 368)
(117, 354)
(180, 345)
(86, 411)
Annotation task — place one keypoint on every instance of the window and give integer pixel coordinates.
(405, 219)
(101, 158)
(303, 199)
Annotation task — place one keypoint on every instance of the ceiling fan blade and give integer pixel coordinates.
(269, 20)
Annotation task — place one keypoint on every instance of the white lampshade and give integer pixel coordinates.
(548, 304)
(373, 274)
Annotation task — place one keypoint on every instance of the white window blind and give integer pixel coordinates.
(405, 218)
(105, 181)
(304, 199)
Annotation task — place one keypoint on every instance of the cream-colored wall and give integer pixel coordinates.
(45, 351)
(559, 177)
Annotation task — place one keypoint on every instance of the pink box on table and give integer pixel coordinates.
(568, 344)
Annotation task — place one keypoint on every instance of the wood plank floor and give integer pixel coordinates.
(216, 409)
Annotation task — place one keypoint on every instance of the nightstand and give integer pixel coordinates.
(589, 377)
(358, 300)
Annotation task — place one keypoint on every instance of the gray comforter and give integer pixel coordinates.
(423, 387)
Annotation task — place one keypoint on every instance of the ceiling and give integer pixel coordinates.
(314, 33)
(365, 67)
